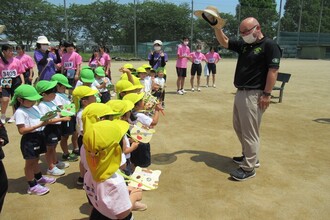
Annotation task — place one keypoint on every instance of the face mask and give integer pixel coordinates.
(157, 48)
(185, 42)
(250, 39)
(44, 47)
(199, 51)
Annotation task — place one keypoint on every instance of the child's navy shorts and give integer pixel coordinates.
(68, 127)
(141, 156)
(52, 134)
(33, 144)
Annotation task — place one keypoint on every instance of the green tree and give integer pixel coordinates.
(23, 18)
(263, 10)
(310, 16)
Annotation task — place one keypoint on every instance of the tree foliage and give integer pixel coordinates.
(110, 23)
(310, 16)
(263, 10)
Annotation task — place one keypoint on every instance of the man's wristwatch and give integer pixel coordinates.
(266, 94)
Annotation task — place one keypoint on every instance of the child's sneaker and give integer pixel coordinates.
(69, 157)
(62, 165)
(46, 180)
(11, 120)
(55, 172)
(38, 190)
(3, 119)
(76, 152)
(80, 181)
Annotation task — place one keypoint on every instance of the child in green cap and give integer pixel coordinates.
(47, 89)
(27, 118)
(67, 128)
(104, 82)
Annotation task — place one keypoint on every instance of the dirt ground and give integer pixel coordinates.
(193, 147)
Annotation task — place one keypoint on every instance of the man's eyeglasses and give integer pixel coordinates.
(247, 31)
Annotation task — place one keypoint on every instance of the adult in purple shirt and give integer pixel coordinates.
(44, 59)
(157, 58)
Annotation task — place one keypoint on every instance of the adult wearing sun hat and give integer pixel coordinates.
(44, 59)
(103, 155)
(157, 57)
(255, 76)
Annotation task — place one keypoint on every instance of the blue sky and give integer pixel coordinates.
(227, 6)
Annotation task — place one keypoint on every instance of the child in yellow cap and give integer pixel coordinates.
(27, 117)
(103, 158)
(142, 155)
(82, 97)
(47, 89)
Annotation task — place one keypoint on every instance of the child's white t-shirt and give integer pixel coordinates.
(45, 107)
(128, 145)
(61, 99)
(147, 83)
(79, 122)
(109, 197)
(143, 118)
(29, 117)
(100, 81)
(94, 85)
(160, 82)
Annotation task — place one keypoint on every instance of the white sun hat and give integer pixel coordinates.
(43, 40)
(212, 16)
(158, 42)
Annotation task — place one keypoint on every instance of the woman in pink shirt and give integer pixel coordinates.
(71, 62)
(196, 67)
(104, 52)
(27, 62)
(212, 59)
(11, 70)
(181, 64)
(96, 60)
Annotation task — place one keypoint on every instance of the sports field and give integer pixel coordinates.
(193, 147)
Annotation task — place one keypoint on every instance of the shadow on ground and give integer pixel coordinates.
(322, 120)
(222, 163)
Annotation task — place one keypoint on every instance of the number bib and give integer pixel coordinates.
(6, 83)
(197, 61)
(68, 65)
(9, 73)
(211, 60)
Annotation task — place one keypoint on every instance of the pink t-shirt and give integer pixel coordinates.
(197, 57)
(106, 58)
(71, 60)
(93, 63)
(109, 197)
(13, 69)
(27, 61)
(183, 50)
(212, 57)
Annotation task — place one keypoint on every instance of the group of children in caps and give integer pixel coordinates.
(100, 128)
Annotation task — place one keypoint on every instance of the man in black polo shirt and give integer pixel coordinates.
(256, 72)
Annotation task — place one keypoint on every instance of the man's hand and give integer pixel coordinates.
(264, 102)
